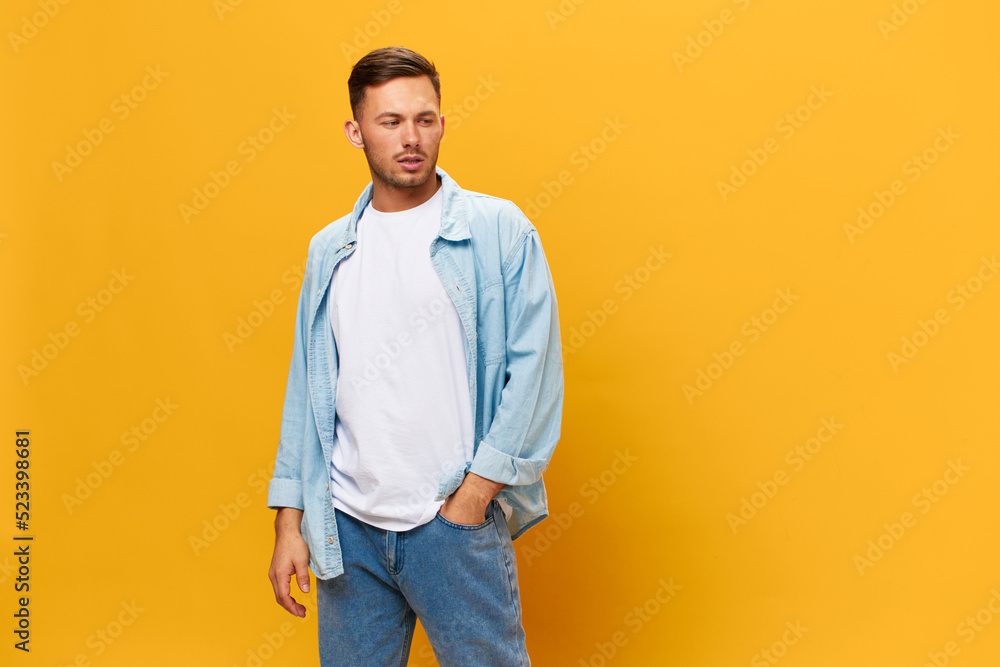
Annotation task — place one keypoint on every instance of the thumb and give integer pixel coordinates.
(302, 576)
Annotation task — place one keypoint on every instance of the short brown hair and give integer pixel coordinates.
(387, 63)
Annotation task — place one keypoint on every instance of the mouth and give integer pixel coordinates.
(411, 162)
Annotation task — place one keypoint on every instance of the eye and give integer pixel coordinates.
(391, 122)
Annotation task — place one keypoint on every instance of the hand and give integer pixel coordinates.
(469, 502)
(291, 556)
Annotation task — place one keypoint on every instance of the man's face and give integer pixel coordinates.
(401, 128)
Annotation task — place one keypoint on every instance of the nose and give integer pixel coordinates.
(410, 136)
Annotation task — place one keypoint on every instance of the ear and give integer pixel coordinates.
(352, 130)
(442, 126)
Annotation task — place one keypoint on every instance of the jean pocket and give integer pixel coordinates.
(468, 526)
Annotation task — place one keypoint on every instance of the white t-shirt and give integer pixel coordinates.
(404, 414)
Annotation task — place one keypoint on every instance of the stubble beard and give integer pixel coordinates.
(386, 173)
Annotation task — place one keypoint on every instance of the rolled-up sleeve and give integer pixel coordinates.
(285, 487)
(526, 425)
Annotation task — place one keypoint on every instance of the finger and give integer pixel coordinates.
(282, 587)
(285, 599)
(294, 608)
(302, 576)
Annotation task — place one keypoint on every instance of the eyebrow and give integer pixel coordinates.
(396, 114)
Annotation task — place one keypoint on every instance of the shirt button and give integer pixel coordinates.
(348, 245)
(330, 540)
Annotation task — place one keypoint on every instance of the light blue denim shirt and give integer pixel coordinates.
(490, 261)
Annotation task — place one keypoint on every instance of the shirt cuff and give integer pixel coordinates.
(284, 493)
(493, 464)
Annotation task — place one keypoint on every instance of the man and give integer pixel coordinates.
(424, 398)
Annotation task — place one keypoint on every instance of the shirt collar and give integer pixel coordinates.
(454, 220)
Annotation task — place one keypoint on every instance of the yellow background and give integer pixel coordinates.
(555, 85)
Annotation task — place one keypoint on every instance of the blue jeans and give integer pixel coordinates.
(460, 580)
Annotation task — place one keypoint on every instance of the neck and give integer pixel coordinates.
(389, 199)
